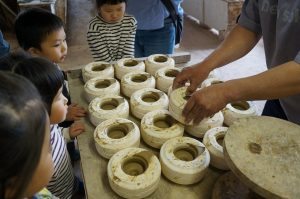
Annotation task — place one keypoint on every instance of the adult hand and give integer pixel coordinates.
(205, 103)
(75, 112)
(76, 129)
(194, 75)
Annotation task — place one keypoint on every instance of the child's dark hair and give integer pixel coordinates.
(22, 130)
(44, 75)
(33, 25)
(9, 60)
(111, 2)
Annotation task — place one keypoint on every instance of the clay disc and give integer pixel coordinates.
(228, 186)
(264, 153)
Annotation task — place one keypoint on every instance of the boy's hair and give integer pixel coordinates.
(9, 60)
(45, 75)
(33, 26)
(100, 3)
(22, 130)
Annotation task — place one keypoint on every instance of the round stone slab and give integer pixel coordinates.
(264, 153)
(228, 186)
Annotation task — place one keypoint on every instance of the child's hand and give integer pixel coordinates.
(75, 112)
(76, 129)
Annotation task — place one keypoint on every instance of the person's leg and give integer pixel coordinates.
(160, 41)
(273, 108)
(138, 44)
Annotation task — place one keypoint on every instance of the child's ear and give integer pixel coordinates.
(33, 51)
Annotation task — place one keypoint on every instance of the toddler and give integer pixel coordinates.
(111, 33)
(49, 81)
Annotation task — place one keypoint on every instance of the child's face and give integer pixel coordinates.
(45, 168)
(59, 108)
(112, 13)
(54, 47)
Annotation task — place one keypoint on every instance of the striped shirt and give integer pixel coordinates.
(111, 41)
(63, 181)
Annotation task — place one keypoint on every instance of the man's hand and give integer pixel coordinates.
(193, 75)
(205, 103)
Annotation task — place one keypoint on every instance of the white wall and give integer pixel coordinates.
(213, 13)
(194, 8)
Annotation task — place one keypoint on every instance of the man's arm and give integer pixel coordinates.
(237, 44)
(278, 82)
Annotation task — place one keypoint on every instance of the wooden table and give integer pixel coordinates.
(93, 166)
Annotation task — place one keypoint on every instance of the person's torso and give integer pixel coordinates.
(62, 181)
(279, 23)
(150, 14)
(111, 37)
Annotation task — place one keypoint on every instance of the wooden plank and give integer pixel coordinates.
(37, 3)
(49, 5)
(94, 167)
(58, 7)
(61, 10)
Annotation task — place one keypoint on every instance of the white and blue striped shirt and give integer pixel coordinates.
(62, 183)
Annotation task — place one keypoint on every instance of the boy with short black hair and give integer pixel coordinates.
(41, 33)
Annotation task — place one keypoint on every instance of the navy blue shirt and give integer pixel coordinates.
(150, 14)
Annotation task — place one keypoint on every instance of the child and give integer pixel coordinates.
(42, 34)
(25, 152)
(9, 60)
(49, 81)
(111, 33)
(4, 46)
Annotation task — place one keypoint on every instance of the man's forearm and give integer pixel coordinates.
(275, 83)
(238, 43)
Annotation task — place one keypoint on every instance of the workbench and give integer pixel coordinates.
(94, 167)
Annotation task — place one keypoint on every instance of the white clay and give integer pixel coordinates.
(134, 173)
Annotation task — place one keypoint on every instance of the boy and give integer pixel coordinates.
(41, 33)
(111, 33)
